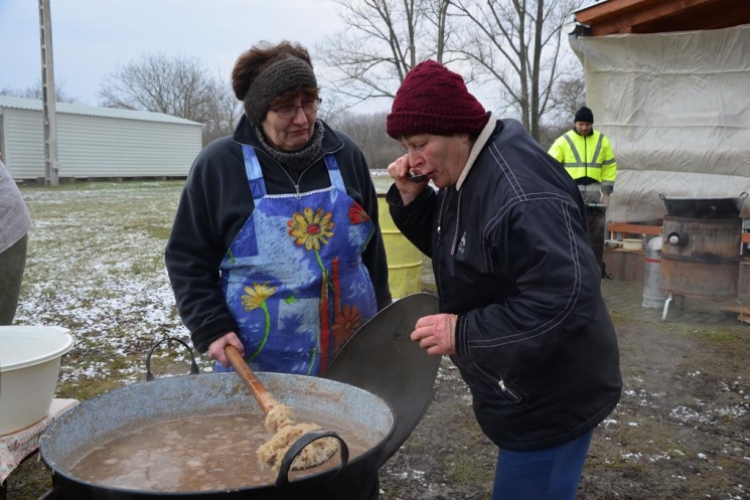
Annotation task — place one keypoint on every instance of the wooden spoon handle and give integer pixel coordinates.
(265, 399)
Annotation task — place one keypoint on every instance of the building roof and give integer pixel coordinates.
(607, 17)
(81, 109)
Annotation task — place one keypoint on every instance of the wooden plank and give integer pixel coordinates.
(624, 227)
(736, 310)
(625, 265)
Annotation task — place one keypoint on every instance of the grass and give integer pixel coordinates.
(467, 471)
(96, 266)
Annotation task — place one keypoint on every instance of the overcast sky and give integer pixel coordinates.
(91, 38)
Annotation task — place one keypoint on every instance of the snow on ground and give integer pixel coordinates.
(96, 266)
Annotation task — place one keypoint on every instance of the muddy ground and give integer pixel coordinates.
(681, 431)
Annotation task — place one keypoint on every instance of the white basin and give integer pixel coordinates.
(29, 367)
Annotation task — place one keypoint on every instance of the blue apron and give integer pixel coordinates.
(294, 279)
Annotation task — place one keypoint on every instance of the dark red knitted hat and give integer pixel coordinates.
(434, 100)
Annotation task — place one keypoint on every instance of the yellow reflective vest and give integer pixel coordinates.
(585, 158)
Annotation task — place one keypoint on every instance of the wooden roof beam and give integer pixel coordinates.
(701, 19)
(607, 9)
(621, 16)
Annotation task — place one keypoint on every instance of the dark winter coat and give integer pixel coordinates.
(512, 258)
(215, 204)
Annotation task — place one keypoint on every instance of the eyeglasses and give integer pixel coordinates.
(290, 111)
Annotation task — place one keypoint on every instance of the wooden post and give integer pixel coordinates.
(743, 281)
(48, 96)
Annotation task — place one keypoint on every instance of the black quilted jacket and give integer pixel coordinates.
(513, 259)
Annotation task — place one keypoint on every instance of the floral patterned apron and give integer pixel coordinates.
(293, 277)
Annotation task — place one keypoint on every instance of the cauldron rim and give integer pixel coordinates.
(720, 207)
(368, 459)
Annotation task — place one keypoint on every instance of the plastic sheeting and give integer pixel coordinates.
(676, 108)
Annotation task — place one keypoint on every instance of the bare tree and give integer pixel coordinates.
(569, 96)
(368, 131)
(176, 85)
(332, 108)
(517, 44)
(35, 92)
(383, 40)
(224, 111)
(156, 82)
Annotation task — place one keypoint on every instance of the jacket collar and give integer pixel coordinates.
(244, 134)
(484, 137)
(580, 135)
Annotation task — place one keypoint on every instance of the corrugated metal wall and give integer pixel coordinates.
(24, 143)
(93, 146)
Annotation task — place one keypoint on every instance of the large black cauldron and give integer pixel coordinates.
(379, 361)
(90, 424)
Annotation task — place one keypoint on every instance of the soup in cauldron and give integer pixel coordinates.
(195, 453)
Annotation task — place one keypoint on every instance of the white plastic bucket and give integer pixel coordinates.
(632, 244)
(29, 367)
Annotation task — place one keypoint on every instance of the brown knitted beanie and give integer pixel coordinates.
(287, 74)
(434, 100)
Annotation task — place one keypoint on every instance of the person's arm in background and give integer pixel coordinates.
(609, 170)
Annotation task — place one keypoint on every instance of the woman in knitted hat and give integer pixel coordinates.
(522, 314)
(275, 247)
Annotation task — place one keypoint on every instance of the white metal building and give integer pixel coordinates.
(95, 142)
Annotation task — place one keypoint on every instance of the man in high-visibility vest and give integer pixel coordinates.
(587, 156)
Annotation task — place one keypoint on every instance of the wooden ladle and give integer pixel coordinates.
(281, 423)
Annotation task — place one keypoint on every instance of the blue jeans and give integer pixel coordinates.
(551, 474)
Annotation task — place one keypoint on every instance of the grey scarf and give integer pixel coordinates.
(294, 162)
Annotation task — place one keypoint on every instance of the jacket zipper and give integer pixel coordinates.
(296, 185)
(299, 181)
(507, 391)
(501, 383)
(439, 243)
(586, 154)
(458, 218)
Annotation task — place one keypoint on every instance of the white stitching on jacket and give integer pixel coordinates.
(572, 300)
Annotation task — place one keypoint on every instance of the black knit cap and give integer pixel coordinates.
(434, 100)
(584, 115)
